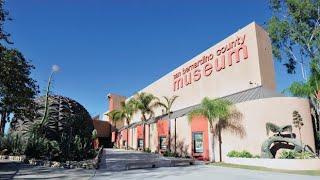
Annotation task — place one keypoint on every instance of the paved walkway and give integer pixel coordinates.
(200, 172)
(14, 170)
(119, 160)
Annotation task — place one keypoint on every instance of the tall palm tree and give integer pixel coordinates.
(167, 105)
(125, 113)
(145, 103)
(114, 116)
(221, 115)
(310, 89)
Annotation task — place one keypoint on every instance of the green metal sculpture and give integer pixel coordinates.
(279, 140)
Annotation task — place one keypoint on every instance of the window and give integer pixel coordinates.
(162, 143)
(124, 143)
(140, 143)
(197, 138)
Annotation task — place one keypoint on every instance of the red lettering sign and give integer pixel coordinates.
(233, 51)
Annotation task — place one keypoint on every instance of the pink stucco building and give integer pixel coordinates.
(239, 69)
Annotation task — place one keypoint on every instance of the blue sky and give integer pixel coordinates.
(121, 46)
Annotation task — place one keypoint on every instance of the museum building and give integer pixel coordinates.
(239, 69)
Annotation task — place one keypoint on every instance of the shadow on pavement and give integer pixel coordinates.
(152, 173)
(15, 170)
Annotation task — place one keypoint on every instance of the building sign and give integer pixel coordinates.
(215, 61)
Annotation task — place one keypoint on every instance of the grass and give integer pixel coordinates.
(304, 172)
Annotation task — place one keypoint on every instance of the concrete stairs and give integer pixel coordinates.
(120, 160)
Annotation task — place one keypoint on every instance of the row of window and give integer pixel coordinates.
(197, 141)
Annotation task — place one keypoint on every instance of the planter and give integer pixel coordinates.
(55, 164)
(17, 158)
(36, 162)
(3, 157)
(286, 164)
(86, 164)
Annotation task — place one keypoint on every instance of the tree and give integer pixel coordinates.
(4, 16)
(310, 89)
(115, 118)
(145, 103)
(167, 105)
(221, 115)
(294, 29)
(17, 88)
(297, 122)
(125, 113)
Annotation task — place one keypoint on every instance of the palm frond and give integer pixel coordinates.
(196, 112)
(145, 103)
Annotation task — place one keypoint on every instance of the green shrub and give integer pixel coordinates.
(289, 154)
(40, 148)
(256, 156)
(147, 150)
(169, 154)
(11, 144)
(233, 154)
(245, 154)
(240, 154)
(303, 155)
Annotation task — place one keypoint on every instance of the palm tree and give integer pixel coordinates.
(167, 105)
(114, 116)
(221, 115)
(125, 113)
(145, 103)
(310, 89)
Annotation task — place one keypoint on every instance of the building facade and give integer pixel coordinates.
(239, 69)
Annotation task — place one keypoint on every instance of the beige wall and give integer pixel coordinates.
(255, 116)
(153, 137)
(184, 132)
(265, 59)
(257, 69)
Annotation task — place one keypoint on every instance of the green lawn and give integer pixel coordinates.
(306, 172)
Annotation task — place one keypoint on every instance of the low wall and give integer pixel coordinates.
(287, 164)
